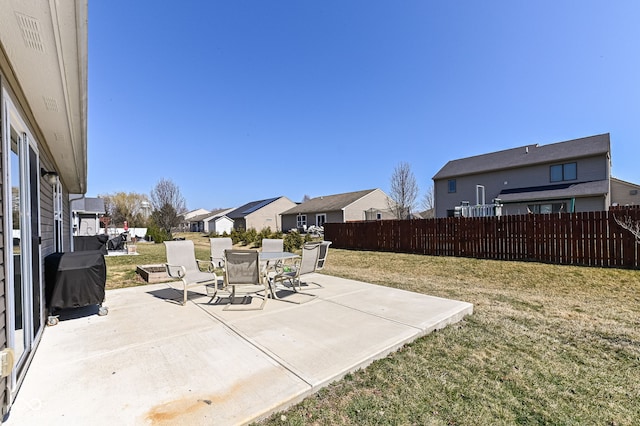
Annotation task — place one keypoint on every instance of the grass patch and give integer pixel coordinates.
(546, 344)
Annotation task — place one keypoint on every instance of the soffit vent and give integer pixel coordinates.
(30, 32)
(59, 137)
(50, 103)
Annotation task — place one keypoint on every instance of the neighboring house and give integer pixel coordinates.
(214, 221)
(187, 218)
(571, 176)
(260, 214)
(86, 214)
(624, 193)
(370, 204)
(219, 224)
(193, 213)
(43, 145)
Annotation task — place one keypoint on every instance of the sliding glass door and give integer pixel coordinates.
(22, 220)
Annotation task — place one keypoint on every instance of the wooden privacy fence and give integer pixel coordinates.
(590, 238)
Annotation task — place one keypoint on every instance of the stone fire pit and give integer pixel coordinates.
(152, 273)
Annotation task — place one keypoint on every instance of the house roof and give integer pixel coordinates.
(624, 182)
(249, 208)
(46, 48)
(207, 216)
(328, 203)
(526, 156)
(576, 190)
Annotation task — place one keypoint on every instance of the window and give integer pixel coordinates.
(546, 208)
(562, 172)
(452, 185)
(301, 222)
(321, 219)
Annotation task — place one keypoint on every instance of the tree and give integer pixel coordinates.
(630, 225)
(129, 206)
(404, 191)
(168, 204)
(306, 198)
(428, 203)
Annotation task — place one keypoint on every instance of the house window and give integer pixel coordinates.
(378, 216)
(452, 185)
(546, 208)
(321, 219)
(562, 172)
(301, 222)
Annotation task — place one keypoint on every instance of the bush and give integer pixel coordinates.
(293, 241)
(157, 234)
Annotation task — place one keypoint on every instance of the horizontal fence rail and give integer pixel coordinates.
(589, 238)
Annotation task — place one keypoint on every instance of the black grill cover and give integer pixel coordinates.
(75, 279)
(94, 242)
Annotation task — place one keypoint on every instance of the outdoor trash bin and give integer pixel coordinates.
(74, 280)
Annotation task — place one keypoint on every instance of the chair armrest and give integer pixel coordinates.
(207, 262)
(175, 271)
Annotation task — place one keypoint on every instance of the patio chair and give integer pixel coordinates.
(306, 265)
(242, 274)
(218, 246)
(322, 255)
(182, 263)
(272, 245)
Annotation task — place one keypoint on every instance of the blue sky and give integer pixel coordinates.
(236, 101)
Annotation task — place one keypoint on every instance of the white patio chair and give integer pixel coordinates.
(306, 265)
(272, 245)
(218, 246)
(182, 263)
(242, 274)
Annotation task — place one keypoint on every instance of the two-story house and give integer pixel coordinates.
(570, 176)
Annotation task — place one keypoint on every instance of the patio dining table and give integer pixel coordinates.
(270, 260)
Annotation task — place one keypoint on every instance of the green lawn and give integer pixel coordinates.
(546, 344)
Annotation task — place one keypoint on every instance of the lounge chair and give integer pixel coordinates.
(182, 263)
(218, 246)
(242, 274)
(306, 265)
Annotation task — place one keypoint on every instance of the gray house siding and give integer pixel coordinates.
(588, 169)
(36, 134)
(522, 178)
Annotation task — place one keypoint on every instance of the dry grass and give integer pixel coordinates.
(546, 344)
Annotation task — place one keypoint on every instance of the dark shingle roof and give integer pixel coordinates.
(328, 203)
(248, 208)
(526, 156)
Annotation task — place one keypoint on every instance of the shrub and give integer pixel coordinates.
(158, 235)
(293, 241)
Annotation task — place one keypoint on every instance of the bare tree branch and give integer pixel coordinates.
(630, 225)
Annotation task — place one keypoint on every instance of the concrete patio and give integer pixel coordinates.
(153, 362)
